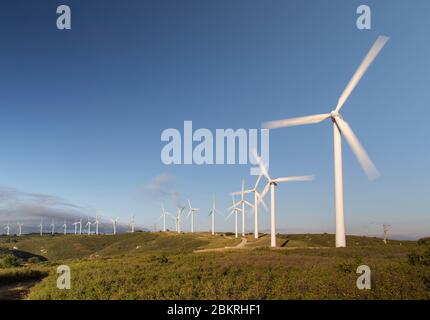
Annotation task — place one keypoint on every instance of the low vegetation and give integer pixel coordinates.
(167, 266)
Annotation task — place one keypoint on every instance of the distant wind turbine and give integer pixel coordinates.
(97, 225)
(19, 228)
(257, 201)
(212, 213)
(65, 227)
(191, 213)
(114, 222)
(243, 202)
(41, 227)
(271, 184)
(132, 224)
(52, 227)
(75, 224)
(234, 210)
(89, 223)
(7, 228)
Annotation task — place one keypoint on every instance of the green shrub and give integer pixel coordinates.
(34, 260)
(416, 258)
(10, 261)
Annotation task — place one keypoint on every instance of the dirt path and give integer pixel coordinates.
(239, 246)
(16, 291)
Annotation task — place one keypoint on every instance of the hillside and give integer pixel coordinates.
(166, 266)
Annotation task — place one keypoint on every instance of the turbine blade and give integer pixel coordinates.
(261, 200)
(365, 64)
(257, 182)
(263, 168)
(264, 192)
(249, 204)
(292, 179)
(365, 162)
(299, 121)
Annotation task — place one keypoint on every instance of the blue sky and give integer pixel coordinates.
(82, 111)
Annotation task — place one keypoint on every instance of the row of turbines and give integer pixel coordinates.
(340, 128)
(78, 227)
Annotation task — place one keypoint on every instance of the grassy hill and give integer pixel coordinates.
(166, 266)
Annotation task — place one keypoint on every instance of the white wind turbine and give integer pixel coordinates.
(7, 228)
(341, 127)
(75, 224)
(52, 227)
(65, 227)
(257, 200)
(97, 223)
(80, 226)
(243, 202)
(234, 210)
(271, 184)
(132, 224)
(179, 211)
(114, 222)
(88, 225)
(191, 213)
(212, 213)
(163, 215)
(41, 227)
(19, 228)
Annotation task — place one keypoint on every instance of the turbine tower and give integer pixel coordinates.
(163, 215)
(80, 226)
(212, 214)
(89, 223)
(132, 224)
(341, 127)
(271, 184)
(52, 227)
(41, 227)
(191, 213)
(97, 225)
(114, 222)
(179, 211)
(65, 227)
(385, 226)
(234, 210)
(19, 228)
(75, 224)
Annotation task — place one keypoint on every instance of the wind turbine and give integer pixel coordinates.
(114, 222)
(97, 225)
(19, 228)
(212, 214)
(132, 224)
(41, 227)
(242, 201)
(52, 227)
(257, 200)
(80, 226)
(234, 210)
(341, 127)
(65, 227)
(271, 184)
(179, 211)
(7, 228)
(76, 226)
(385, 226)
(163, 215)
(89, 223)
(191, 213)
